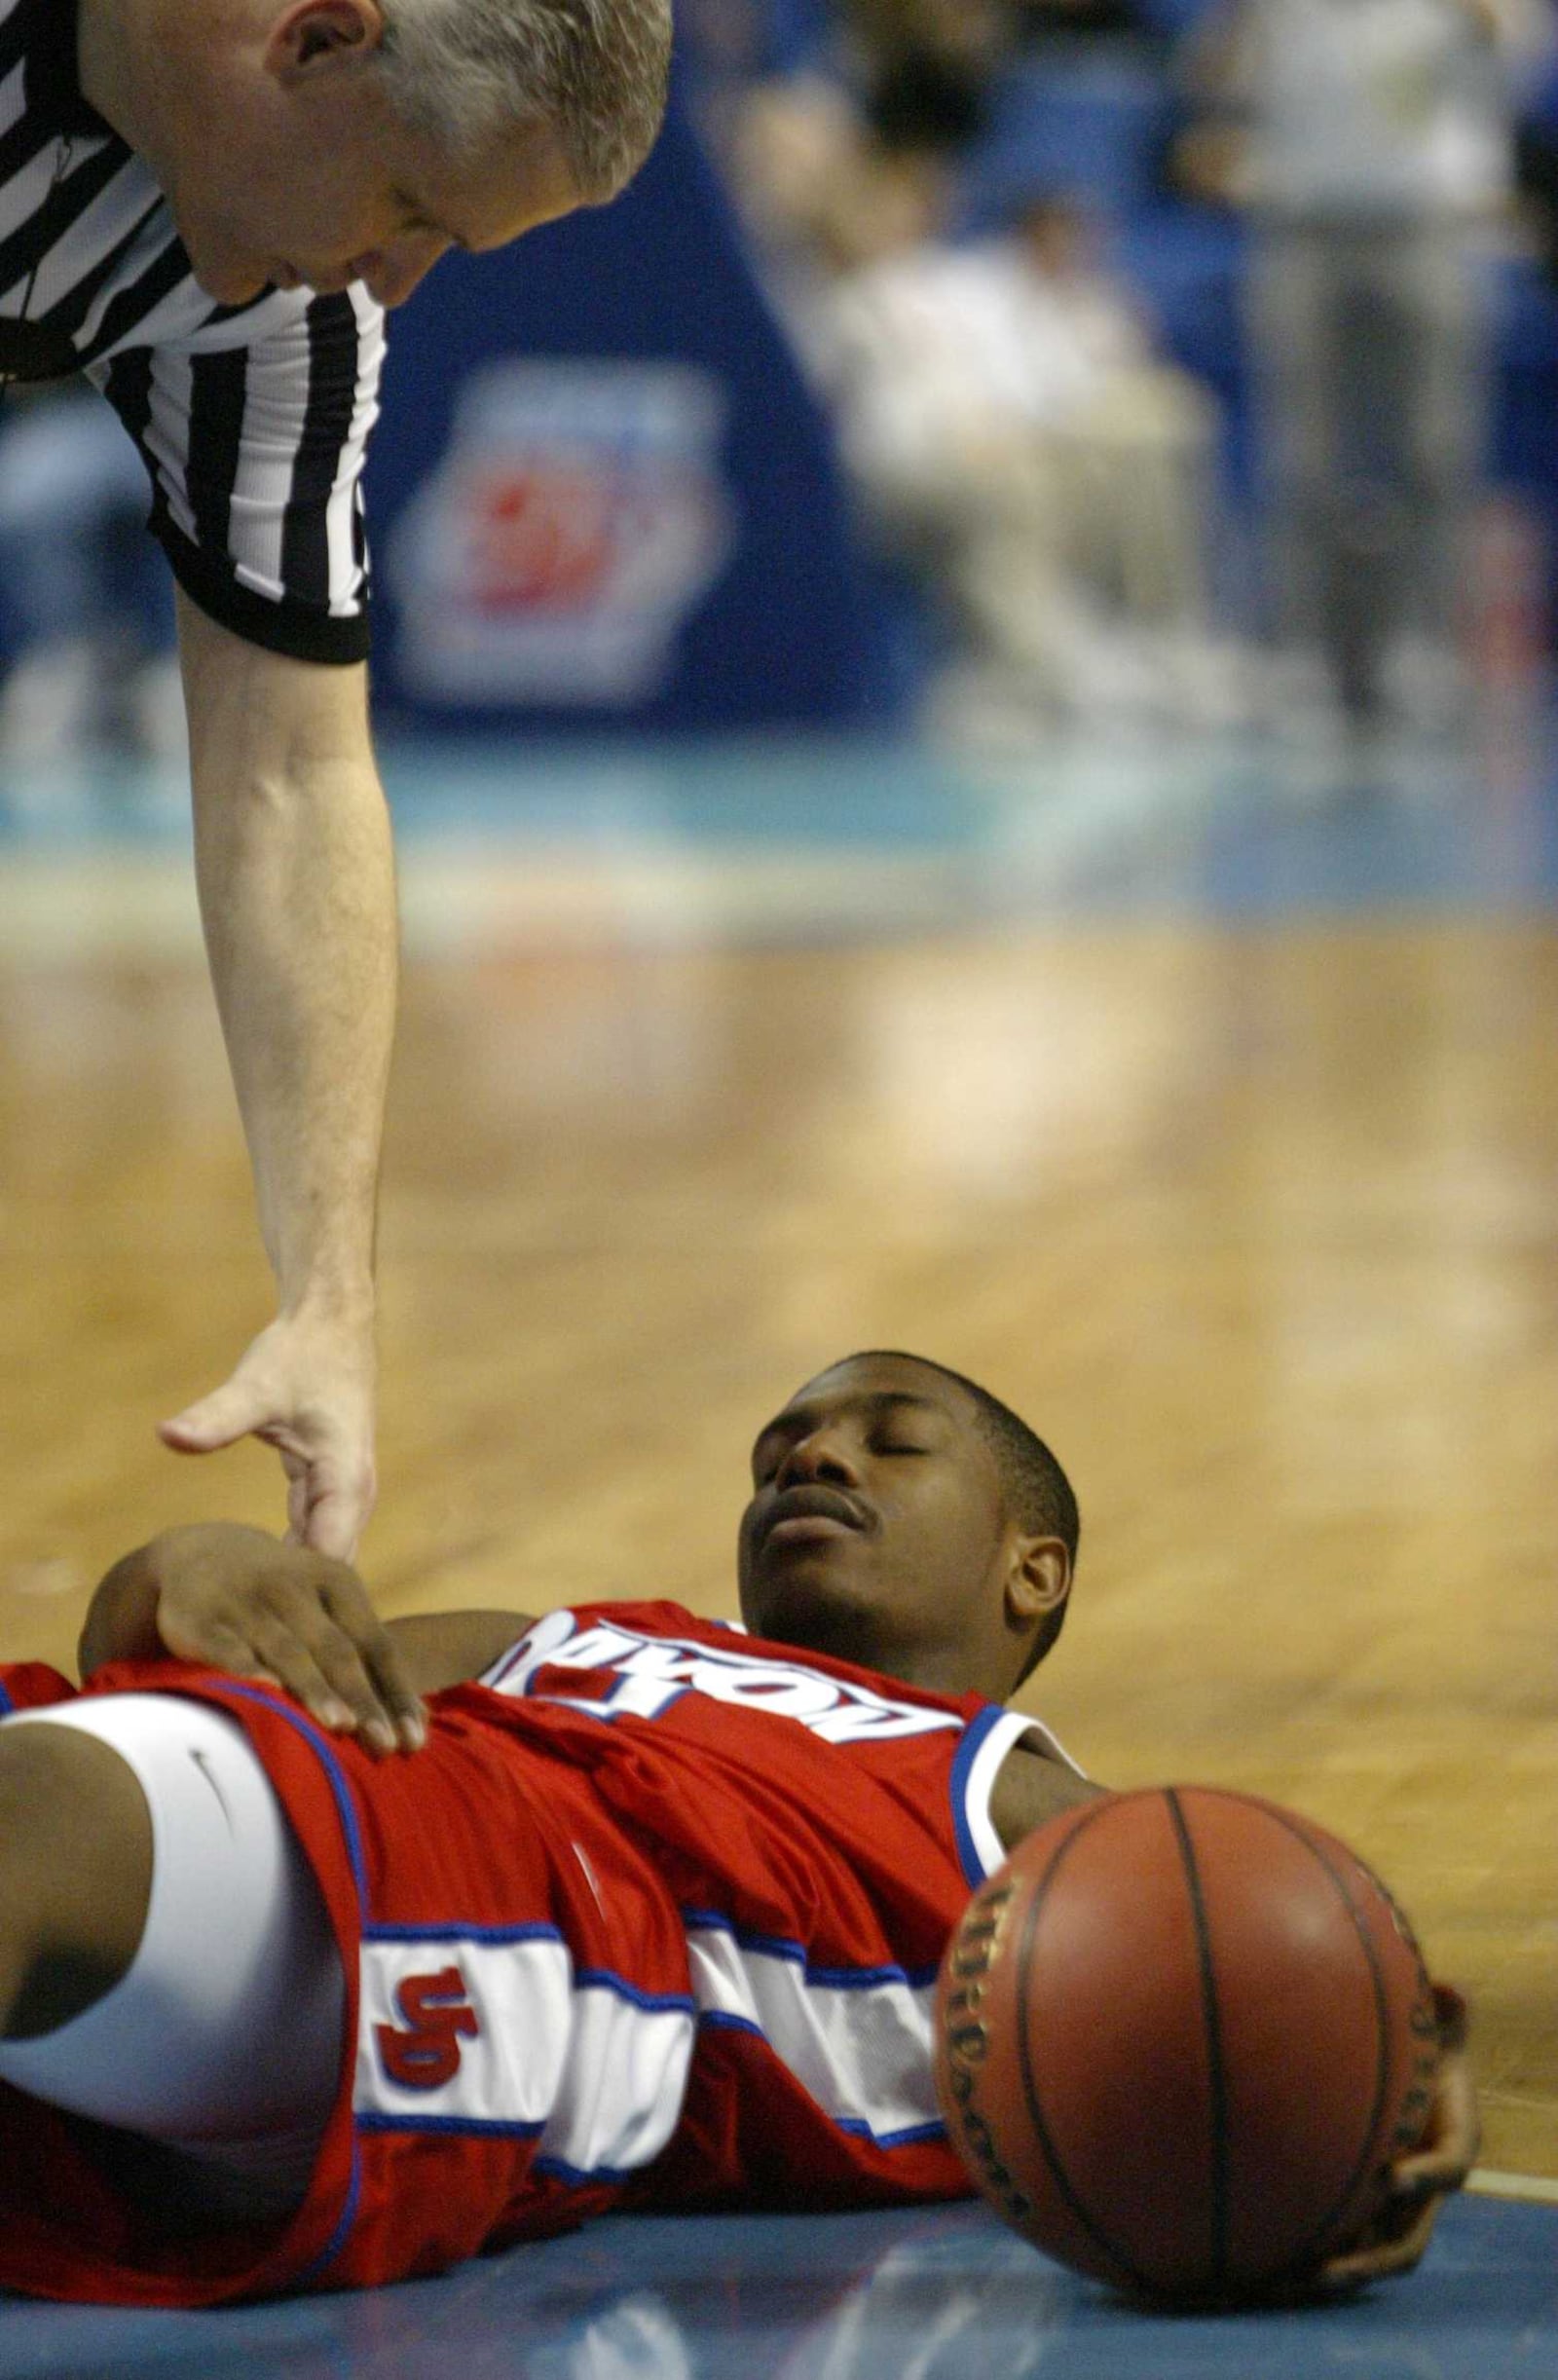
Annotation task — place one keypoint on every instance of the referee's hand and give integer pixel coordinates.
(306, 1387)
(234, 1598)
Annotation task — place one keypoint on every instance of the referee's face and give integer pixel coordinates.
(286, 167)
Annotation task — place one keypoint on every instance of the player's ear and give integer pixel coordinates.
(1038, 1580)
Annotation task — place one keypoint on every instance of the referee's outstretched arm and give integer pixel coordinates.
(296, 876)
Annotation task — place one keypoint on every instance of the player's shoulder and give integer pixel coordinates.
(1035, 1779)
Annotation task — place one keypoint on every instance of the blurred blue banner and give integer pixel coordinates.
(601, 492)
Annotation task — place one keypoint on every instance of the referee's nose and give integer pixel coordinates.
(392, 273)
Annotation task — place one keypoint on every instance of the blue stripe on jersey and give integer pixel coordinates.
(335, 1775)
(456, 1932)
(508, 2127)
(911, 2136)
(777, 1946)
(6, 1706)
(967, 1754)
(601, 1978)
(575, 2176)
(342, 2229)
(865, 1979)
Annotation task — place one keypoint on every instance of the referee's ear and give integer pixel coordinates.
(317, 36)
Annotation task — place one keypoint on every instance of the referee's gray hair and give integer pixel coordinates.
(594, 71)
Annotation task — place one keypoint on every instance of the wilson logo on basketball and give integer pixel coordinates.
(966, 2043)
(435, 2012)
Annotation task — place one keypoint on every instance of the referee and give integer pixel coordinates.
(207, 206)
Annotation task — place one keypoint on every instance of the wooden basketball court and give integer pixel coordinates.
(1254, 1217)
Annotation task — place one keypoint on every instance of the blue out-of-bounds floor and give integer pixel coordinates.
(941, 2295)
(794, 838)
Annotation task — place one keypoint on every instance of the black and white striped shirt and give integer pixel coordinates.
(253, 420)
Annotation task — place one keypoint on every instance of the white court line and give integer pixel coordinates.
(135, 906)
(1488, 2184)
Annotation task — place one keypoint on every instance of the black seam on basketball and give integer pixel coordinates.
(1216, 2077)
(1100, 2239)
(1382, 2036)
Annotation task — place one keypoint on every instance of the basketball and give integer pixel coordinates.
(1179, 2036)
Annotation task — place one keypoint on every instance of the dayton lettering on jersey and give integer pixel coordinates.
(642, 1676)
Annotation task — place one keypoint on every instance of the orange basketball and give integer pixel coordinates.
(1179, 2036)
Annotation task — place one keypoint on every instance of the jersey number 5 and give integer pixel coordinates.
(434, 2011)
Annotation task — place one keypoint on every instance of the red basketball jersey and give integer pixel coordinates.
(654, 1920)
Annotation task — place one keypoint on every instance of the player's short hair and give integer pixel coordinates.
(594, 71)
(1039, 1496)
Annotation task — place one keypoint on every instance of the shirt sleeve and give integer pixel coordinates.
(986, 1744)
(255, 439)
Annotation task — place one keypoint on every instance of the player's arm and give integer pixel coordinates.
(296, 879)
(1033, 1786)
(237, 1599)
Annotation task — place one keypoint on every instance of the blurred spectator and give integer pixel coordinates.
(89, 612)
(811, 188)
(827, 182)
(1370, 141)
(1043, 23)
(921, 100)
(1021, 448)
(971, 37)
(1536, 164)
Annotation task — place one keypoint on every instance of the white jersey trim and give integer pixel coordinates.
(860, 2049)
(971, 1813)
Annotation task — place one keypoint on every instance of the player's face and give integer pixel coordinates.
(302, 175)
(878, 1529)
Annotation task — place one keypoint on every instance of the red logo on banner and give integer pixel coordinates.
(576, 520)
(539, 536)
(435, 2013)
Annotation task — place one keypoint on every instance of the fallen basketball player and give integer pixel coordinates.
(305, 1981)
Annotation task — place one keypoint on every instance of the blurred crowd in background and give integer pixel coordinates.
(999, 233)
(984, 219)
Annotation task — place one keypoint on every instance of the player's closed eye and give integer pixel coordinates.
(765, 1467)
